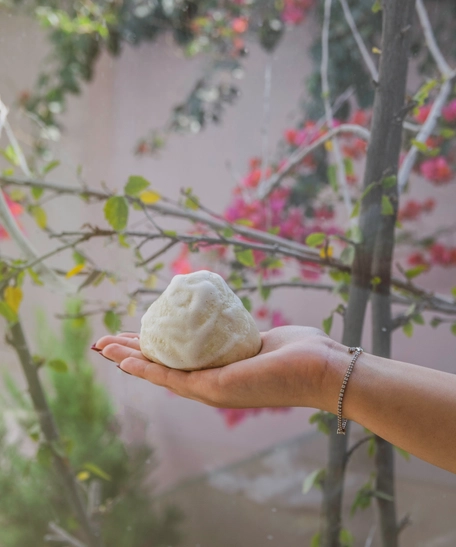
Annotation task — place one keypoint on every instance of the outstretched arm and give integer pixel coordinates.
(410, 406)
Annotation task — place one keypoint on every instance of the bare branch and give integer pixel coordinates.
(296, 158)
(63, 536)
(359, 41)
(340, 168)
(350, 452)
(444, 67)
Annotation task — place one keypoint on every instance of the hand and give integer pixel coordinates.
(288, 371)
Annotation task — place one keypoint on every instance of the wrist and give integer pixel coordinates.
(335, 366)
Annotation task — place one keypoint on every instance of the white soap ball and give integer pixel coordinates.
(198, 322)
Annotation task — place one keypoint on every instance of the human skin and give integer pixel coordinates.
(410, 406)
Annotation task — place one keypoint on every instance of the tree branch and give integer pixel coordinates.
(298, 155)
(359, 41)
(340, 168)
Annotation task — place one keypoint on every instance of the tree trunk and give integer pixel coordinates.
(377, 239)
(52, 437)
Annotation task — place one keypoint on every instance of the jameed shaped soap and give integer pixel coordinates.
(198, 322)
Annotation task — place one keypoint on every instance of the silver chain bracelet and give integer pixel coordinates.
(342, 423)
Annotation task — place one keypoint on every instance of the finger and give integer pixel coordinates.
(118, 351)
(131, 342)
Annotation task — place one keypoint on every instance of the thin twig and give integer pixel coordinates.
(444, 67)
(298, 155)
(359, 41)
(350, 452)
(340, 168)
(62, 535)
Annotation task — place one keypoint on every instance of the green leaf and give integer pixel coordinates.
(377, 6)
(327, 324)
(423, 93)
(453, 328)
(123, 241)
(78, 258)
(112, 321)
(447, 133)
(170, 233)
(387, 206)
(435, 322)
(315, 239)
(116, 212)
(9, 153)
(316, 540)
(135, 185)
(371, 447)
(389, 182)
(355, 210)
(313, 479)
(346, 539)
(376, 281)
(323, 420)
(37, 192)
(50, 166)
(362, 499)
(408, 329)
(191, 202)
(245, 257)
(347, 255)
(8, 313)
(356, 235)
(425, 149)
(417, 270)
(247, 303)
(95, 470)
(453, 292)
(332, 177)
(58, 365)
(403, 453)
(227, 233)
(418, 319)
(349, 169)
(35, 277)
(265, 292)
(91, 279)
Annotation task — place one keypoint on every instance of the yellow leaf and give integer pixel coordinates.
(83, 476)
(149, 196)
(39, 214)
(376, 51)
(131, 308)
(150, 282)
(329, 146)
(326, 252)
(13, 297)
(78, 268)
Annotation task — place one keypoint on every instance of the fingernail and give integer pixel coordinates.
(93, 346)
(107, 358)
(129, 373)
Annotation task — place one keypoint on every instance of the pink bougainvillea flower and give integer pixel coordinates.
(235, 416)
(423, 113)
(417, 259)
(449, 112)
(278, 319)
(239, 24)
(181, 265)
(413, 209)
(16, 210)
(437, 170)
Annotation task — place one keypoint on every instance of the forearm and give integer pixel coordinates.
(410, 406)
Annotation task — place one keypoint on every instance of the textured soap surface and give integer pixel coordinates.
(198, 322)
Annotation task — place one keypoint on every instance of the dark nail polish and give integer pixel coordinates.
(95, 348)
(129, 373)
(107, 358)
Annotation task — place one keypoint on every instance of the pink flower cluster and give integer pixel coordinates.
(413, 209)
(294, 11)
(234, 416)
(437, 170)
(438, 255)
